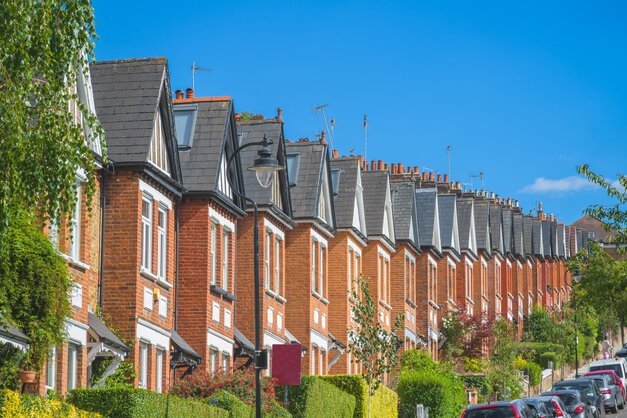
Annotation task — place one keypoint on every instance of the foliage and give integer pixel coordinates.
(465, 334)
(443, 396)
(12, 404)
(531, 369)
(533, 351)
(131, 403)
(477, 382)
(539, 326)
(317, 398)
(240, 383)
(418, 360)
(10, 358)
(502, 376)
(122, 377)
(34, 288)
(549, 356)
(613, 217)
(44, 46)
(384, 402)
(370, 343)
(230, 402)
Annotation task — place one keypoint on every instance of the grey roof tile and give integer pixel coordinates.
(538, 238)
(547, 238)
(105, 334)
(345, 198)
(375, 185)
(482, 225)
(447, 210)
(426, 206)
(518, 242)
(507, 230)
(465, 214)
(404, 209)
(496, 228)
(528, 238)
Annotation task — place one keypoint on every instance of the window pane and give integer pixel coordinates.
(145, 209)
(226, 239)
(292, 168)
(51, 368)
(184, 122)
(214, 237)
(159, 371)
(335, 180)
(71, 366)
(277, 266)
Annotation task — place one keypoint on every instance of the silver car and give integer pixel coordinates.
(611, 393)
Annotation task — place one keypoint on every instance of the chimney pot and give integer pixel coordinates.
(361, 162)
(189, 93)
(416, 170)
(446, 178)
(394, 169)
(336, 154)
(400, 168)
(386, 167)
(179, 94)
(238, 117)
(425, 176)
(323, 140)
(381, 165)
(373, 165)
(439, 178)
(432, 176)
(279, 115)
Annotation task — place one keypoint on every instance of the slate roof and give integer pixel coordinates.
(244, 342)
(105, 334)
(465, 211)
(496, 220)
(528, 237)
(127, 93)
(561, 240)
(538, 238)
(447, 210)
(344, 199)
(518, 241)
(404, 210)
(426, 206)
(253, 131)
(590, 224)
(375, 187)
(547, 238)
(9, 330)
(178, 341)
(482, 225)
(507, 230)
(305, 195)
(200, 163)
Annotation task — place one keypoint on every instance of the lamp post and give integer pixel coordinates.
(264, 167)
(576, 278)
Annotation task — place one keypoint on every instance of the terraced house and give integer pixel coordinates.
(496, 266)
(447, 265)
(469, 256)
(481, 208)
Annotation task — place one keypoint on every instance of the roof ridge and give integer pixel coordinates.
(129, 60)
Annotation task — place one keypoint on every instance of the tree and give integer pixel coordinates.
(44, 47)
(503, 376)
(465, 335)
(370, 343)
(539, 326)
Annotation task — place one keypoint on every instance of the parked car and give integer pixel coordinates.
(589, 391)
(555, 406)
(611, 393)
(577, 404)
(619, 366)
(538, 408)
(616, 380)
(502, 409)
(622, 353)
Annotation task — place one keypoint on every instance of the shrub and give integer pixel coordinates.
(384, 402)
(533, 350)
(10, 358)
(418, 360)
(534, 370)
(135, 403)
(12, 404)
(231, 403)
(240, 383)
(544, 359)
(445, 397)
(317, 398)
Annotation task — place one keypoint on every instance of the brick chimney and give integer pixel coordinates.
(381, 165)
(336, 154)
(279, 115)
(400, 168)
(416, 170)
(323, 140)
(446, 178)
(178, 94)
(394, 169)
(189, 93)
(238, 117)
(373, 165)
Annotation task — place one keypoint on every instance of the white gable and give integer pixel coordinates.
(501, 239)
(223, 183)
(411, 229)
(359, 217)
(86, 96)
(158, 154)
(455, 233)
(436, 226)
(472, 238)
(324, 200)
(276, 191)
(388, 216)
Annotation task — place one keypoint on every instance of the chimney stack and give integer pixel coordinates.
(394, 169)
(336, 154)
(381, 165)
(189, 93)
(179, 94)
(373, 165)
(425, 176)
(432, 176)
(416, 170)
(446, 178)
(361, 162)
(323, 140)
(279, 115)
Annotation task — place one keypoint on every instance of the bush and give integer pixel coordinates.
(445, 397)
(544, 359)
(231, 403)
(533, 350)
(10, 358)
(12, 404)
(135, 403)
(317, 398)
(384, 402)
(534, 370)
(418, 360)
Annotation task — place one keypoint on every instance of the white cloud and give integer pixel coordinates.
(567, 184)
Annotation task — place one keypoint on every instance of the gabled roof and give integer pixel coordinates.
(104, 333)
(594, 226)
(496, 229)
(428, 218)
(128, 94)
(466, 222)
(449, 229)
(404, 208)
(507, 230)
(182, 345)
(313, 182)
(349, 211)
(547, 238)
(561, 240)
(538, 238)
(378, 204)
(528, 237)
(518, 241)
(482, 225)
(254, 131)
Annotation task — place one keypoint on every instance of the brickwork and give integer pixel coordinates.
(377, 271)
(465, 283)
(447, 285)
(494, 286)
(403, 290)
(480, 281)
(426, 293)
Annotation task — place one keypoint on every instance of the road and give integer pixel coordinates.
(621, 414)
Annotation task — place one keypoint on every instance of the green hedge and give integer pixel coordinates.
(136, 403)
(12, 404)
(442, 395)
(549, 356)
(534, 350)
(384, 403)
(317, 398)
(238, 409)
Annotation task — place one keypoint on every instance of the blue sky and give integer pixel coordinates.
(523, 91)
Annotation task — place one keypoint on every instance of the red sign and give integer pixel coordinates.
(286, 364)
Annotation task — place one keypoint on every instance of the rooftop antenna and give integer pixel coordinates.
(365, 136)
(474, 176)
(332, 124)
(194, 69)
(448, 156)
(321, 108)
(427, 169)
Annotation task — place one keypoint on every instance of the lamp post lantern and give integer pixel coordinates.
(264, 167)
(576, 278)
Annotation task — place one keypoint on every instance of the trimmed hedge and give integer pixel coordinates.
(317, 398)
(238, 409)
(443, 396)
(12, 404)
(136, 403)
(535, 371)
(534, 350)
(384, 402)
(549, 356)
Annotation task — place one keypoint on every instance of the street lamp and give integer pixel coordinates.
(576, 279)
(264, 167)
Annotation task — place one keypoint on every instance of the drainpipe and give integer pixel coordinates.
(176, 265)
(103, 204)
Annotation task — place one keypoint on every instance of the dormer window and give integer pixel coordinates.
(293, 161)
(185, 123)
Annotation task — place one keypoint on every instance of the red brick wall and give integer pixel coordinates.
(426, 305)
(375, 282)
(402, 276)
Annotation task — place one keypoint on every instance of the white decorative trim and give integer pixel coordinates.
(269, 339)
(153, 334)
(432, 261)
(22, 346)
(509, 263)
(484, 263)
(155, 194)
(354, 247)
(213, 214)
(519, 264)
(274, 229)
(468, 262)
(433, 335)
(319, 237)
(409, 255)
(451, 262)
(76, 331)
(219, 341)
(497, 261)
(383, 253)
(529, 263)
(410, 334)
(319, 340)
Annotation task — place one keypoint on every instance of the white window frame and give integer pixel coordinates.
(148, 298)
(163, 306)
(270, 316)
(143, 365)
(279, 321)
(228, 318)
(51, 369)
(77, 295)
(75, 226)
(146, 234)
(213, 359)
(322, 255)
(72, 365)
(314, 267)
(215, 312)
(159, 370)
(277, 265)
(213, 251)
(162, 243)
(225, 361)
(226, 253)
(266, 260)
